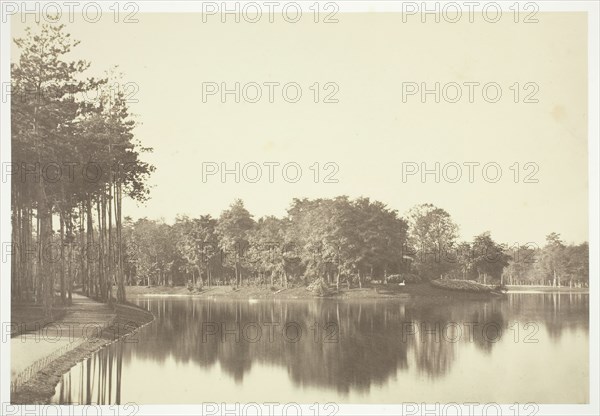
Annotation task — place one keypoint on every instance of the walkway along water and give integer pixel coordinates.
(39, 358)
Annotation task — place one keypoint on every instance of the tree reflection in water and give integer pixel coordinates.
(375, 339)
(97, 379)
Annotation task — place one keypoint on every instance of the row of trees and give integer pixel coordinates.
(340, 241)
(437, 253)
(73, 161)
(555, 264)
(324, 238)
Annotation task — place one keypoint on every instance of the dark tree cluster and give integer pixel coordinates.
(74, 158)
(334, 241)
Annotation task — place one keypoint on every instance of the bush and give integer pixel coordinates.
(462, 285)
(411, 278)
(501, 288)
(195, 288)
(318, 287)
(394, 278)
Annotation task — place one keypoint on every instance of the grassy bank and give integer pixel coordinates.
(40, 388)
(372, 291)
(546, 289)
(462, 286)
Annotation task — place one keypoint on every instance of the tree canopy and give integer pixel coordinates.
(73, 161)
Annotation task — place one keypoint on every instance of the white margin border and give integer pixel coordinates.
(347, 6)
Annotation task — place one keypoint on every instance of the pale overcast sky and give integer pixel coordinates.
(370, 132)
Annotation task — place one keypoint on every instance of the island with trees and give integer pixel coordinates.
(332, 245)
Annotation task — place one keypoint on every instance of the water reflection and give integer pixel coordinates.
(344, 351)
(96, 380)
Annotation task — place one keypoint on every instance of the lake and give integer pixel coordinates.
(522, 348)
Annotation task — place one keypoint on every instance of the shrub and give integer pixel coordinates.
(319, 287)
(501, 288)
(411, 278)
(462, 285)
(394, 278)
(195, 288)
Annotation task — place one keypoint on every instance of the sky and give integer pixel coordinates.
(372, 132)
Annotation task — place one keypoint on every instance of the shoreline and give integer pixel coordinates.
(546, 289)
(390, 291)
(40, 388)
(380, 291)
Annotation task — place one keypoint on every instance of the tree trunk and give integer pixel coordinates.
(63, 293)
(16, 274)
(100, 271)
(111, 248)
(82, 252)
(105, 250)
(45, 267)
(38, 277)
(91, 284)
(70, 264)
(121, 297)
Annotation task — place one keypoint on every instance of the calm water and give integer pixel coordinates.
(525, 348)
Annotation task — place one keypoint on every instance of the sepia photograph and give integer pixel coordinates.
(299, 208)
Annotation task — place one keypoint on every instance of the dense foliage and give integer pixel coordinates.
(336, 241)
(73, 159)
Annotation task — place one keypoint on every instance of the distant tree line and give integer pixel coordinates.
(341, 241)
(73, 161)
(555, 264)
